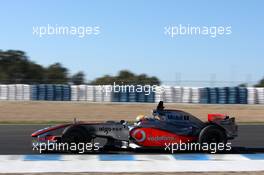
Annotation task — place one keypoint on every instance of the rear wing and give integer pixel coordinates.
(213, 117)
(226, 123)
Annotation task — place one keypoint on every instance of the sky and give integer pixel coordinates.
(132, 36)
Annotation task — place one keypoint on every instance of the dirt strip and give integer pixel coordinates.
(66, 111)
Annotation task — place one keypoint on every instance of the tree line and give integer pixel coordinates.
(16, 67)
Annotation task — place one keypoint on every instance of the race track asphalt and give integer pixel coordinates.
(16, 139)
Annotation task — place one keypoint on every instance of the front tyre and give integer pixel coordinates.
(75, 136)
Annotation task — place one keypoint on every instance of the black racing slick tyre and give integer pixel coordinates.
(212, 134)
(75, 135)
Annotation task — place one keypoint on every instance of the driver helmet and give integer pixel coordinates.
(140, 117)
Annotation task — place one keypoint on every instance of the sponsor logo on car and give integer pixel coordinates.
(139, 135)
(161, 138)
(107, 130)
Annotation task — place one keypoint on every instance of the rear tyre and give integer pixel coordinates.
(212, 134)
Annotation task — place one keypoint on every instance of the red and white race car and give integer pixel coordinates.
(164, 127)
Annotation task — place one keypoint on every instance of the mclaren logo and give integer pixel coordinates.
(139, 135)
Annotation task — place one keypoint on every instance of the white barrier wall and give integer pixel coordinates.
(98, 94)
(3, 92)
(177, 94)
(186, 95)
(159, 95)
(12, 92)
(91, 93)
(74, 92)
(260, 95)
(195, 96)
(27, 92)
(15, 92)
(82, 91)
(19, 91)
(168, 94)
(252, 95)
(107, 93)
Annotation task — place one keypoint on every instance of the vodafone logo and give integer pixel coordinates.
(139, 135)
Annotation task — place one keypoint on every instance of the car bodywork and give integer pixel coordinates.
(165, 126)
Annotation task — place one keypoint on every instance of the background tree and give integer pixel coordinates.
(260, 83)
(56, 74)
(126, 77)
(78, 78)
(243, 85)
(16, 68)
(105, 80)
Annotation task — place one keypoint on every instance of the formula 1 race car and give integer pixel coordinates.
(165, 126)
